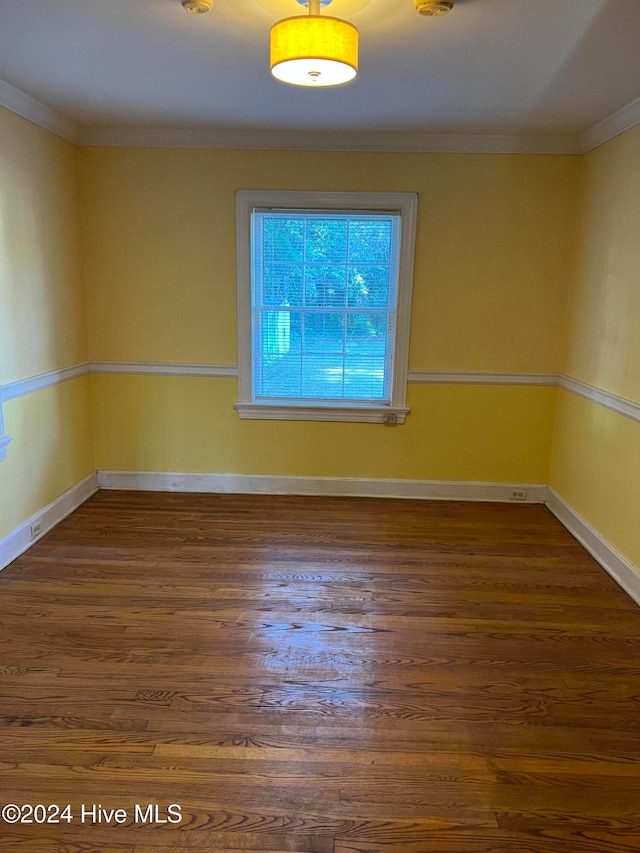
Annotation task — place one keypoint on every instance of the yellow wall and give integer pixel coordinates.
(51, 451)
(42, 321)
(595, 463)
(603, 335)
(492, 260)
(596, 469)
(492, 265)
(455, 432)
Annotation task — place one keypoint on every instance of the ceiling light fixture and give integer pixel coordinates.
(197, 6)
(315, 51)
(434, 8)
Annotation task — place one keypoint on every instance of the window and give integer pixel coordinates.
(324, 302)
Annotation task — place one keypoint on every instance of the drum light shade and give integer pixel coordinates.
(315, 51)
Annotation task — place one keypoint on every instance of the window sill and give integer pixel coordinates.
(4, 442)
(389, 415)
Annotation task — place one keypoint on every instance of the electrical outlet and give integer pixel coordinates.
(36, 527)
(518, 494)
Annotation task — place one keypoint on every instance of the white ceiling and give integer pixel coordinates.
(489, 67)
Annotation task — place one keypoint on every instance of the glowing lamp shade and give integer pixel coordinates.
(316, 51)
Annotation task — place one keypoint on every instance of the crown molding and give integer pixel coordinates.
(24, 105)
(610, 127)
(30, 108)
(427, 143)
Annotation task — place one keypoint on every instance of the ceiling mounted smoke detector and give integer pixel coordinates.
(434, 8)
(197, 6)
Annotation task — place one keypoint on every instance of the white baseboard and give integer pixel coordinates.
(348, 486)
(616, 564)
(622, 570)
(16, 542)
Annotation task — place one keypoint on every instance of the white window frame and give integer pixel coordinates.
(404, 204)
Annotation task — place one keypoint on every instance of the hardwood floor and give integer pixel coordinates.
(318, 675)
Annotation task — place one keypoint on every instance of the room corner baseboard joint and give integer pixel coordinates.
(622, 570)
(20, 539)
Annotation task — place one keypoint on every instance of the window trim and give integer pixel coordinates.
(406, 204)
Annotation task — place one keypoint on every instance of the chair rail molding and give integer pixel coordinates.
(4, 439)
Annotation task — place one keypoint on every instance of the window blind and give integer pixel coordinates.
(324, 298)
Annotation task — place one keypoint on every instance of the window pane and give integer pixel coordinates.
(370, 241)
(281, 378)
(323, 332)
(325, 286)
(283, 284)
(283, 238)
(326, 240)
(364, 376)
(368, 360)
(277, 369)
(367, 333)
(368, 286)
(322, 376)
(276, 333)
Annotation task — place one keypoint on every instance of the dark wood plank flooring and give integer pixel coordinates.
(318, 675)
